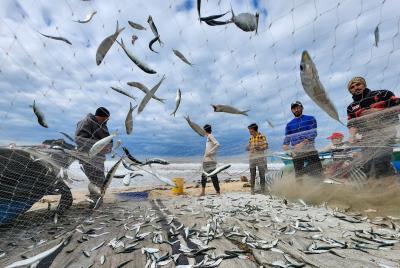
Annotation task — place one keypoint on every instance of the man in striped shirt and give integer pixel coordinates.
(256, 147)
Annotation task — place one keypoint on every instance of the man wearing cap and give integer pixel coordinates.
(372, 126)
(88, 131)
(300, 133)
(256, 147)
(340, 153)
(210, 161)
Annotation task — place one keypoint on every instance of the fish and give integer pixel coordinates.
(228, 109)
(213, 17)
(57, 38)
(246, 21)
(147, 97)
(130, 157)
(101, 144)
(136, 26)
(102, 259)
(118, 143)
(144, 89)
(376, 34)
(180, 56)
(67, 136)
(198, 8)
(270, 124)
(216, 171)
(195, 127)
(177, 101)
(88, 18)
(135, 60)
(106, 44)
(40, 116)
(126, 180)
(156, 161)
(128, 119)
(154, 29)
(152, 41)
(123, 92)
(98, 246)
(217, 23)
(110, 175)
(313, 87)
(86, 253)
(123, 264)
(162, 179)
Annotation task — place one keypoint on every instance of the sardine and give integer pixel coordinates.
(123, 264)
(180, 56)
(67, 136)
(101, 144)
(144, 89)
(216, 171)
(376, 33)
(130, 157)
(39, 115)
(213, 17)
(57, 38)
(148, 96)
(195, 127)
(177, 101)
(154, 29)
(270, 124)
(313, 87)
(88, 18)
(198, 8)
(123, 92)
(98, 246)
(228, 109)
(136, 26)
(102, 259)
(127, 180)
(106, 44)
(135, 60)
(110, 175)
(156, 161)
(246, 21)
(155, 39)
(118, 143)
(128, 119)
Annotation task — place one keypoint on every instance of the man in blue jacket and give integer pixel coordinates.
(300, 133)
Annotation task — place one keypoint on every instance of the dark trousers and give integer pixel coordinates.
(307, 163)
(379, 163)
(210, 167)
(94, 171)
(261, 164)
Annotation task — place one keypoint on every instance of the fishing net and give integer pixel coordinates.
(48, 183)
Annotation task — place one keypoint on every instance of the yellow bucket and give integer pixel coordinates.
(179, 184)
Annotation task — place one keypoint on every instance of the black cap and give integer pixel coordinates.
(253, 126)
(103, 112)
(296, 103)
(207, 128)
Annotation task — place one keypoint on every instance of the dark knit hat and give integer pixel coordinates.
(207, 128)
(253, 126)
(103, 112)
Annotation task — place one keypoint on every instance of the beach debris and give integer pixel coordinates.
(40, 116)
(123, 92)
(313, 87)
(59, 38)
(376, 34)
(216, 171)
(246, 21)
(129, 120)
(101, 144)
(181, 57)
(130, 156)
(87, 18)
(228, 109)
(154, 29)
(148, 96)
(136, 26)
(196, 128)
(177, 101)
(144, 89)
(144, 67)
(106, 44)
(67, 136)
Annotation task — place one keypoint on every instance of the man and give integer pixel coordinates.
(372, 126)
(90, 130)
(301, 132)
(256, 147)
(341, 156)
(210, 161)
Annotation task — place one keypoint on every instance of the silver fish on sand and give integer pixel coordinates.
(128, 119)
(123, 92)
(136, 26)
(154, 29)
(177, 101)
(39, 115)
(106, 44)
(195, 127)
(101, 144)
(135, 60)
(180, 56)
(216, 171)
(147, 97)
(228, 109)
(246, 21)
(59, 38)
(376, 33)
(144, 89)
(87, 18)
(313, 87)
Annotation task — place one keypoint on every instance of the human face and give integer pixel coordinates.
(297, 110)
(337, 141)
(102, 119)
(357, 88)
(252, 132)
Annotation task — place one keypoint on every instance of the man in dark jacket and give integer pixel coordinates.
(372, 126)
(90, 130)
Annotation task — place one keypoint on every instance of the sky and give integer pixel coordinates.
(256, 72)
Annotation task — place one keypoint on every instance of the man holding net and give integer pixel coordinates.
(90, 130)
(301, 132)
(372, 122)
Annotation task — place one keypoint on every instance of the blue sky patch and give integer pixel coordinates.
(187, 5)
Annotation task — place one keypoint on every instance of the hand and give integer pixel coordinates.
(299, 146)
(370, 111)
(285, 147)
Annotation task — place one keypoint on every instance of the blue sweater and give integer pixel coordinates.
(299, 129)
